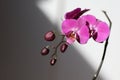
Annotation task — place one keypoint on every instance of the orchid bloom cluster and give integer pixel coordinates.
(77, 27)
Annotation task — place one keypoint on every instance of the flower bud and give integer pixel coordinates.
(63, 47)
(44, 51)
(49, 36)
(53, 61)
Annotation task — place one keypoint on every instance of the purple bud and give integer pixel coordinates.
(44, 51)
(63, 47)
(53, 61)
(49, 36)
(75, 14)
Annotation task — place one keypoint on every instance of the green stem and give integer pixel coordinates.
(105, 48)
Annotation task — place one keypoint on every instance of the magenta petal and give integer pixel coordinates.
(68, 25)
(81, 21)
(90, 19)
(83, 34)
(72, 14)
(103, 31)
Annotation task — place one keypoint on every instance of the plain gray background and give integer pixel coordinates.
(22, 26)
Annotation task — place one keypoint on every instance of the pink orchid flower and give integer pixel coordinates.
(99, 30)
(75, 30)
(81, 28)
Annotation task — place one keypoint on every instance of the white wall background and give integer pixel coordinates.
(92, 51)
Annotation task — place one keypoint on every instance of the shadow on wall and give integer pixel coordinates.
(22, 28)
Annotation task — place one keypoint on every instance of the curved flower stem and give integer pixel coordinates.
(105, 48)
(62, 40)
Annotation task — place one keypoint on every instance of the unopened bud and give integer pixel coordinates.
(63, 47)
(49, 36)
(53, 61)
(44, 51)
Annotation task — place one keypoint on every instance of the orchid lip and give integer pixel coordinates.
(71, 34)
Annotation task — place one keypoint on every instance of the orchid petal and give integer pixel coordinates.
(83, 34)
(68, 25)
(103, 32)
(81, 22)
(90, 19)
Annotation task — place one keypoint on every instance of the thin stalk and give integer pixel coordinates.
(104, 52)
(55, 52)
